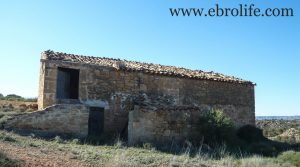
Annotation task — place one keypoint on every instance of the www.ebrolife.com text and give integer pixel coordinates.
(243, 10)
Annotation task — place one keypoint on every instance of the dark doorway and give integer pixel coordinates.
(96, 121)
(67, 83)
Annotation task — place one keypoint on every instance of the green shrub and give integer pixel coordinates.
(215, 127)
(6, 137)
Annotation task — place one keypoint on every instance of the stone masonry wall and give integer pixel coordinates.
(60, 119)
(113, 90)
(174, 125)
(161, 127)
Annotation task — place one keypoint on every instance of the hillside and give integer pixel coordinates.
(17, 106)
(278, 117)
(281, 130)
(11, 108)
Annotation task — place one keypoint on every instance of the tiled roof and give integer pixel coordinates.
(142, 67)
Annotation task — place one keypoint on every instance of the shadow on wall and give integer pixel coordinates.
(212, 131)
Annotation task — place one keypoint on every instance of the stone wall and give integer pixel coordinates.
(161, 126)
(176, 124)
(115, 90)
(59, 119)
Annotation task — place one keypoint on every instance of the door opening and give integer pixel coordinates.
(96, 121)
(67, 83)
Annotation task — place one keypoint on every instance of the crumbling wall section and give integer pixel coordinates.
(60, 119)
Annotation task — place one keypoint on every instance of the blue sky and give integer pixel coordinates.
(263, 50)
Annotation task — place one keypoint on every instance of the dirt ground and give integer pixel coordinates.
(36, 157)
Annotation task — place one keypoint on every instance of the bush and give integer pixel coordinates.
(250, 134)
(6, 137)
(215, 127)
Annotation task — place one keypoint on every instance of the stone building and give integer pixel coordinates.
(86, 95)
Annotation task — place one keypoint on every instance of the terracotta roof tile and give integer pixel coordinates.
(142, 67)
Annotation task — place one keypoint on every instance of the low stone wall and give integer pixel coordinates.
(177, 124)
(59, 119)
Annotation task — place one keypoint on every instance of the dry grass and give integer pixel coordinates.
(120, 155)
(10, 109)
(6, 162)
(17, 106)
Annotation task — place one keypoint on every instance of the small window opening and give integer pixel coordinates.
(67, 83)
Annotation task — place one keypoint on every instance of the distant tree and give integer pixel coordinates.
(1, 96)
(13, 97)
